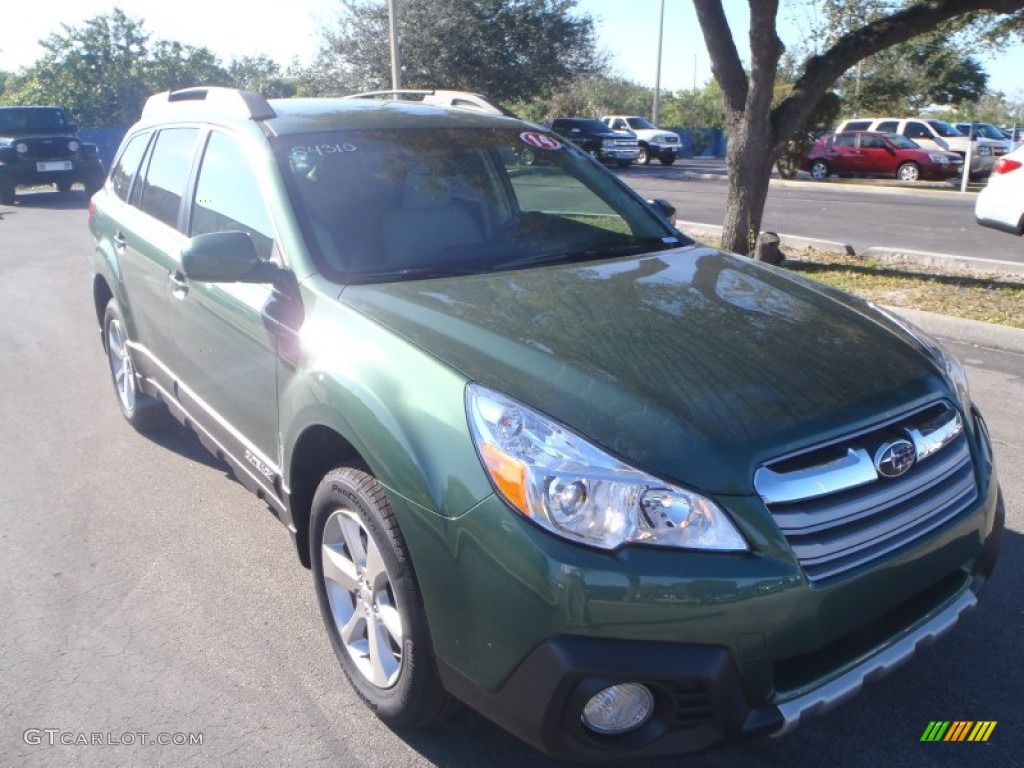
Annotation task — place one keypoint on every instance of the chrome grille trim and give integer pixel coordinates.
(838, 513)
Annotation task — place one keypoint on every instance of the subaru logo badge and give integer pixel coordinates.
(895, 458)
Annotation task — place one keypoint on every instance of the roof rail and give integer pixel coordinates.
(229, 101)
(441, 98)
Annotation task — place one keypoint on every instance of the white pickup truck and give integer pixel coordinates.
(654, 142)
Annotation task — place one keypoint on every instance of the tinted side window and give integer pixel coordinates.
(845, 140)
(857, 125)
(127, 166)
(887, 126)
(916, 131)
(872, 142)
(228, 198)
(169, 167)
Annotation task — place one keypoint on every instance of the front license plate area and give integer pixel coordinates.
(54, 165)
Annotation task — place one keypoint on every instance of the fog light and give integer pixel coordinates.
(619, 708)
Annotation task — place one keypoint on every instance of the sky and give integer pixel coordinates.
(626, 29)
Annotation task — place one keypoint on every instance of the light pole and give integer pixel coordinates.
(396, 64)
(657, 72)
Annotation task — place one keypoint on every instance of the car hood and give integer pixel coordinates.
(691, 364)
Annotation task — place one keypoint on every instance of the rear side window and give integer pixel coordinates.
(916, 131)
(127, 166)
(228, 198)
(845, 140)
(887, 126)
(857, 125)
(872, 142)
(169, 167)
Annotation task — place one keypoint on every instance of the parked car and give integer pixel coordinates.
(622, 493)
(934, 135)
(1000, 205)
(865, 153)
(598, 140)
(38, 146)
(654, 142)
(987, 131)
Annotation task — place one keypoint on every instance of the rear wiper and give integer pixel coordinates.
(597, 252)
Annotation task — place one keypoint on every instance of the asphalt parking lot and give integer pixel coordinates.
(145, 592)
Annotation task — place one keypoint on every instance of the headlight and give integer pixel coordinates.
(939, 158)
(574, 489)
(984, 150)
(21, 147)
(947, 361)
(73, 146)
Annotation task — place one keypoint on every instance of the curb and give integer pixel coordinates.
(942, 194)
(942, 260)
(881, 253)
(975, 332)
(787, 241)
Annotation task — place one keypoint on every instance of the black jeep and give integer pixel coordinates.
(39, 146)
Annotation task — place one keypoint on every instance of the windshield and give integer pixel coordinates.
(22, 120)
(405, 204)
(639, 122)
(902, 142)
(944, 129)
(986, 130)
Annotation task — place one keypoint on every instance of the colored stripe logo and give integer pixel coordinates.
(959, 730)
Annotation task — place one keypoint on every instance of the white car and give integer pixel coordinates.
(654, 142)
(1001, 203)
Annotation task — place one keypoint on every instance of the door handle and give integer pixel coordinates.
(120, 241)
(179, 284)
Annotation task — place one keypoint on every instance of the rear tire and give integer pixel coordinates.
(370, 600)
(819, 170)
(143, 412)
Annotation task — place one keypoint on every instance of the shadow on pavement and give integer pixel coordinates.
(183, 441)
(52, 200)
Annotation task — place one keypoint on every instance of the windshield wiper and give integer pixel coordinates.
(589, 254)
(425, 272)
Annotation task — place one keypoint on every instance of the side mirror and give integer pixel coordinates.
(665, 208)
(225, 257)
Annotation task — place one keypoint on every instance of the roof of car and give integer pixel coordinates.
(308, 115)
(314, 115)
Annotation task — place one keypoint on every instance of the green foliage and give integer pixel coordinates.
(507, 50)
(262, 75)
(694, 108)
(588, 96)
(103, 71)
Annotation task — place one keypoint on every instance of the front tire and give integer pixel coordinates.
(908, 172)
(370, 600)
(819, 170)
(667, 159)
(644, 157)
(143, 412)
(7, 191)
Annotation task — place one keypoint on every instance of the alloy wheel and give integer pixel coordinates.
(121, 364)
(362, 598)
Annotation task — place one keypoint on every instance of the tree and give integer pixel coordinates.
(758, 131)
(104, 70)
(505, 49)
(262, 75)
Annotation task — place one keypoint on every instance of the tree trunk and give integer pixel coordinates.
(749, 158)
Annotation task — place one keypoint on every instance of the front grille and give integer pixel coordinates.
(671, 139)
(627, 143)
(839, 512)
(48, 149)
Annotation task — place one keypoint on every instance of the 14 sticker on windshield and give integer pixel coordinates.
(540, 140)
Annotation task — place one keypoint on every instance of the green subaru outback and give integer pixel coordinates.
(622, 493)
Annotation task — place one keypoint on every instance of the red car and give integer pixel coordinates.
(870, 153)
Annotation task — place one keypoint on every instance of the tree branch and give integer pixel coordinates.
(822, 71)
(725, 59)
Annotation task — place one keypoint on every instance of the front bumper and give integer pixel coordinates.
(701, 700)
(620, 154)
(28, 172)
